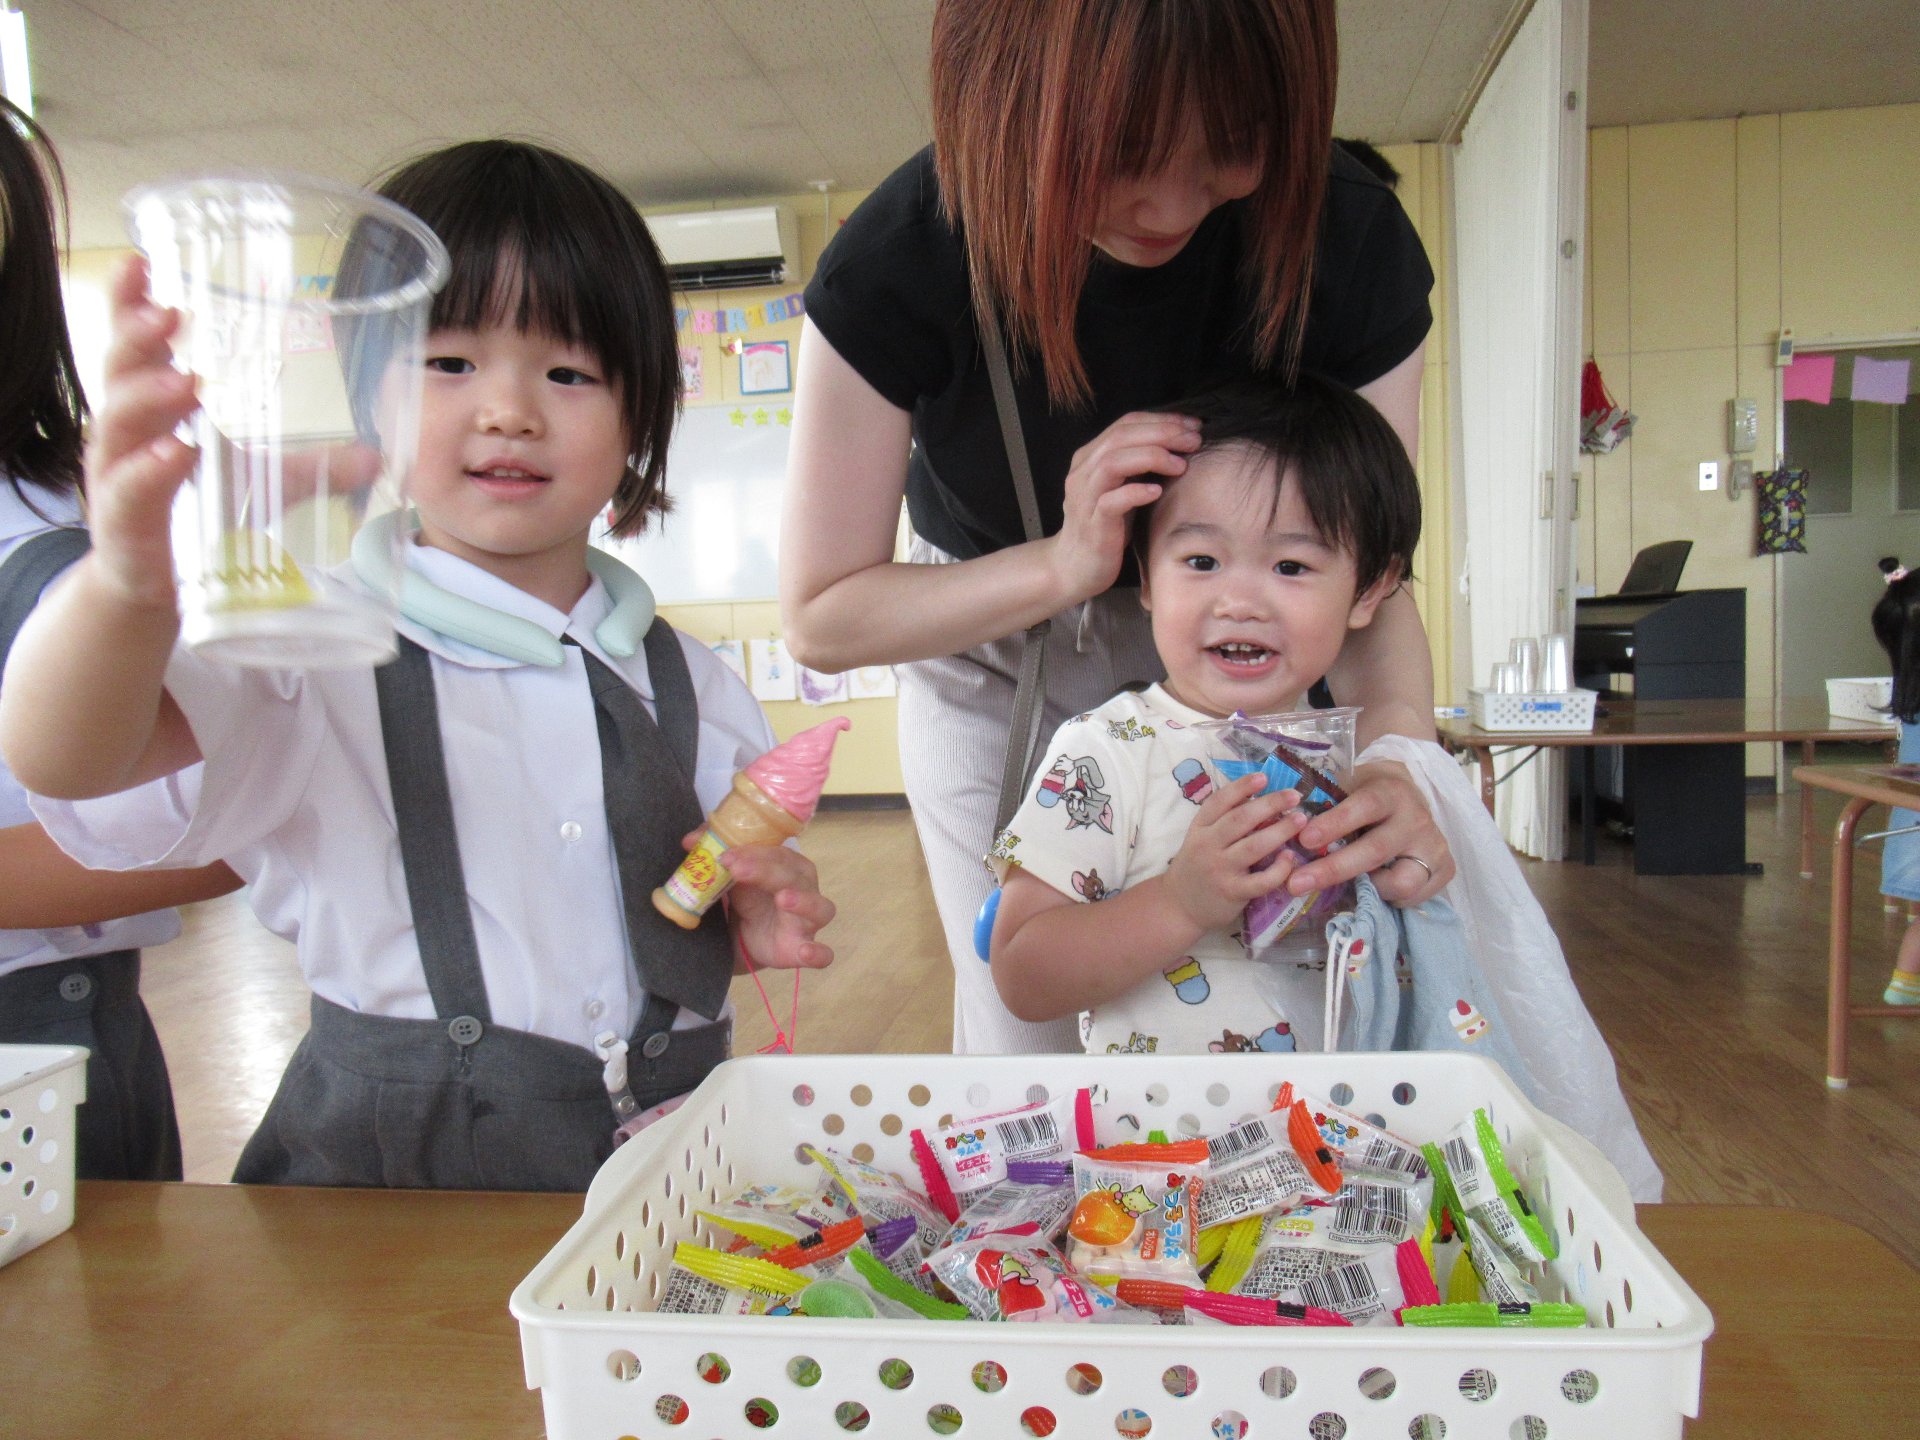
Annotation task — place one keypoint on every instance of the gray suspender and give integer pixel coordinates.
(1023, 736)
(29, 570)
(429, 849)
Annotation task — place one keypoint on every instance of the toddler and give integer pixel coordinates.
(1126, 868)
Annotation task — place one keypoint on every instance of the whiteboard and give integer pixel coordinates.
(722, 541)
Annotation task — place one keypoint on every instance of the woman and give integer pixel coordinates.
(1143, 197)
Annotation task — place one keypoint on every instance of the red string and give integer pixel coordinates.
(783, 1040)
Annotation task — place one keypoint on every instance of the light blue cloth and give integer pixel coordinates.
(1413, 985)
(1900, 855)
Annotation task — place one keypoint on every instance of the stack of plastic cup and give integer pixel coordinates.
(306, 307)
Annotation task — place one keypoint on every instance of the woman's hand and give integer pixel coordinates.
(1085, 556)
(1387, 827)
(776, 905)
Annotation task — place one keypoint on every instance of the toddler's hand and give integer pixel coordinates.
(777, 906)
(1212, 877)
(134, 462)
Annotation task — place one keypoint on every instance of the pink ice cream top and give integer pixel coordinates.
(793, 773)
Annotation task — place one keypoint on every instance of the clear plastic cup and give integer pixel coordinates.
(306, 307)
(1524, 653)
(1306, 750)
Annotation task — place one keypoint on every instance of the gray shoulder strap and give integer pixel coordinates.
(1023, 736)
(27, 572)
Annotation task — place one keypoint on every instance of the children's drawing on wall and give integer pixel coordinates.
(692, 373)
(773, 674)
(871, 682)
(764, 368)
(817, 688)
(733, 654)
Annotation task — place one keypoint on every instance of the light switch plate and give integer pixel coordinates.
(1709, 474)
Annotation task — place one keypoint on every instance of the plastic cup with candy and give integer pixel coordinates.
(1308, 751)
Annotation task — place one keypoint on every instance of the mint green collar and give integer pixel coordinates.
(494, 631)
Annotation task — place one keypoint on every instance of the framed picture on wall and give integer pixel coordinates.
(765, 368)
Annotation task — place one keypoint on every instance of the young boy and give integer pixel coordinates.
(462, 843)
(1296, 517)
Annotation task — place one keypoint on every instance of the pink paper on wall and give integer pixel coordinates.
(1810, 377)
(1884, 382)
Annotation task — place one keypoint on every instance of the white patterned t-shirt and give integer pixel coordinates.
(1116, 792)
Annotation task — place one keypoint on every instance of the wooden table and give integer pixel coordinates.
(1677, 722)
(230, 1311)
(1864, 786)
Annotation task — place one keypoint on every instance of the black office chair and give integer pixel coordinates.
(1656, 569)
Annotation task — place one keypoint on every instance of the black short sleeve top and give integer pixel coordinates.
(890, 294)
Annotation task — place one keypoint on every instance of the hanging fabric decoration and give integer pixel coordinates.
(1603, 424)
(1783, 511)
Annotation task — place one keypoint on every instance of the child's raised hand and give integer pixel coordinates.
(1212, 877)
(1389, 831)
(135, 463)
(777, 906)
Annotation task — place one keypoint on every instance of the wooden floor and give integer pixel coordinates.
(1711, 990)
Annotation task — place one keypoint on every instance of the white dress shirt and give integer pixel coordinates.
(294, 796)
(22, 948)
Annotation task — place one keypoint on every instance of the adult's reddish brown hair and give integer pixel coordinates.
(1039, 106)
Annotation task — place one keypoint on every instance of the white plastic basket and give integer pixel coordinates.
(40, 1088)
(608, 1368)
(1562, 711)
(1865, 698)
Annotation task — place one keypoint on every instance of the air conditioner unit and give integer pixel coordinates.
(727, 249)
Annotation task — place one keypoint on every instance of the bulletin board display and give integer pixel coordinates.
(725, 472)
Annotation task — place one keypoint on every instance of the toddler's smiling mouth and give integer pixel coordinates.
(1240, 652)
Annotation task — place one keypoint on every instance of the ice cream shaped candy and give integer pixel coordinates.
(771, 801)
(1468, 1022)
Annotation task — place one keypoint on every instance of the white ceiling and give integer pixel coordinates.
(713, 99)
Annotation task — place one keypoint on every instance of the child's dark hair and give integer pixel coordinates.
(1354, 475)
(1896, 625)
(541, 242)
(42, 407)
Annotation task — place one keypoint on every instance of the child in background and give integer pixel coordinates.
(70, 938)
(461, 844)
(1896, 625)
(1125, 873)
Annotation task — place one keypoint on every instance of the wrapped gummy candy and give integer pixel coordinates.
(1003, 1277)
(1372, 1289)
(1035, 1198)
(1360, 1144)
(1485, 1188)
(959, 1160)
(1271, 1162)
(1133, 1212)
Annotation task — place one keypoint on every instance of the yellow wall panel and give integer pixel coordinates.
(1680, 231)
(1757, 243)
(1608, 323)
(1850, 222)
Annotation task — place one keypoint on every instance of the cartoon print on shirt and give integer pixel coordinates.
(1230, 1044)
(1089, 886)
(1137, 1044)
(1129, 729)
(1192, 778)
(1078, 785)
(1275, 1038)
(1004, 844)
(1187, 980)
